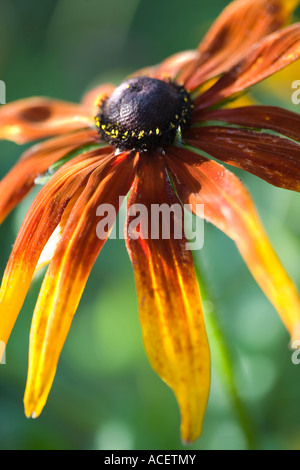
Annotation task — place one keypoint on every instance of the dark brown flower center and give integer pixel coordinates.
(144, 113)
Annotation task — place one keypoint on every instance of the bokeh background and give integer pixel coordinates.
(105, 394)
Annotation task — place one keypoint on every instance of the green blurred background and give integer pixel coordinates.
(105, 395)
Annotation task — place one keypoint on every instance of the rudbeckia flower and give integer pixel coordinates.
(152, 137)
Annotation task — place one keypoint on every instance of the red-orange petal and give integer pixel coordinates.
(52, 243)
(175, 65)
(67, 275)
(273, 158)
(168, 295)
(228, 205)
(169, 68)
(267, 57)
(91, 99)
(232, 35)
(40, 222)
(36, 161)
(272, 118)
(38, 117)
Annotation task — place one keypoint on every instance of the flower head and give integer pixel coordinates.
(147, 137)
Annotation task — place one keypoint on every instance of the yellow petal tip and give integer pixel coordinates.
(188, 438)
(32, 409)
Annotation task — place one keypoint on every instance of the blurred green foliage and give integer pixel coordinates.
(105, 395)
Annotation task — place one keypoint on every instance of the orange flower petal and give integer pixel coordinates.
(90, 100)
(169, 300)
(258, 117)
(36, 161)
(228, 205)
(53, 242)
(272, 158)
(174, 66)
(38, 117)
(39, 223)
(267, 57)
(169, 68)
(67, 275)
(234, 33)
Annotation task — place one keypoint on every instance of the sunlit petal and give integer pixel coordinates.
(38, 117)
(39, 224)
(67, 275)
(232, 35)
(272, 118)
(270, 55)
(36, 161)
(228, 205)
(169, 299)
(271, 157)
(53, 242)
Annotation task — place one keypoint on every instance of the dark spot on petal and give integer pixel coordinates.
(35, 113)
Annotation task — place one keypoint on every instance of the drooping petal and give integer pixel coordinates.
(273, 118)
(49, 249)
(55, 238)
(228, 205)
(36, 161)
(232, 35)
(168, 295)
(271, 157)
(267, 57)
(68, 272)
(38, 117)
(39, 224)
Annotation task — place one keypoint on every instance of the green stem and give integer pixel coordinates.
(223, 359)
